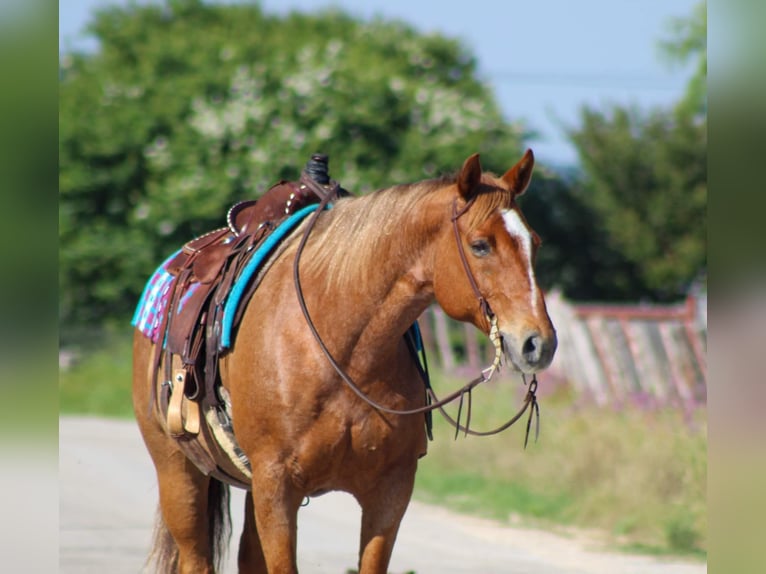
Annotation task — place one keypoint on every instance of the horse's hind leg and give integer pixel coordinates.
(187, 496)
(184, 493)
(183, 503)
(250, 559)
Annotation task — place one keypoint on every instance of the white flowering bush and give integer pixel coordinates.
(186, 108)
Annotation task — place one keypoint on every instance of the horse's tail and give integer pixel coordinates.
(219, 520)
(164, 554)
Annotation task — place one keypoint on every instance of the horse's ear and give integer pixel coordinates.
(517, 178)
(469, 176)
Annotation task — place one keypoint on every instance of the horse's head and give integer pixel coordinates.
(498, 253)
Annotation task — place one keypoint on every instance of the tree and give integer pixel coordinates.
(189, 107)
(645, 180)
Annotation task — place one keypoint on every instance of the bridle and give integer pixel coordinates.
(432, 401)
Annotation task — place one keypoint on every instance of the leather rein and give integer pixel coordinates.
(432, 402)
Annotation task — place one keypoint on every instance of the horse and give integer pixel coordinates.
(370, 268)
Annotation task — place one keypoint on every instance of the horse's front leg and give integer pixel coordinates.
(382, 510)
(275, 504)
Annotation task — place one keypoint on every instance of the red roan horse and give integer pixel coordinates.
(370, 268)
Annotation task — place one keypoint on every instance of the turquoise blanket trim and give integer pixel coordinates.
(233, 300)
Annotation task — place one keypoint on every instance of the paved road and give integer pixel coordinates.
(108, 498)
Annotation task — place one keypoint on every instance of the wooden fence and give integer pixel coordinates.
(613, 355)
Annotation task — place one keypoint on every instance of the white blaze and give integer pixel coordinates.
(517, 229)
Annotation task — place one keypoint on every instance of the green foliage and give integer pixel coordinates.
(189, 107)
(645, 178)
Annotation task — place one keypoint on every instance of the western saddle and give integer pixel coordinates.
(193, 405)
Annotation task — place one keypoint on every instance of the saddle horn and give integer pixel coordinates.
(317, 168)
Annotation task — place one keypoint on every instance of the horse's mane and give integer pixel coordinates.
(354, 227)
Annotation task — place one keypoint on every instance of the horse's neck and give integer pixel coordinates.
(378, 292)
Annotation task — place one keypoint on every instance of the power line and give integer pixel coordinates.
(585, 80)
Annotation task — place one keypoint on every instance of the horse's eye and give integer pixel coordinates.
(480, 248)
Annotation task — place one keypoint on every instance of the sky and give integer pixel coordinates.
(544, 59)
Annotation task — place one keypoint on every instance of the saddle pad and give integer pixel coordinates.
(232, 302)
(155, 298)
(153, 302)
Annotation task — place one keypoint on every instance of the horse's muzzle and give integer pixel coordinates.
(530, 353)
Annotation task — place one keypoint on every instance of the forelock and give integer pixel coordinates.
(492, 195)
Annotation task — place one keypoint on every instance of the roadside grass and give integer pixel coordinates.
(638, 476)
(99, 380)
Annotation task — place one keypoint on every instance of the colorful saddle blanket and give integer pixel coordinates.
(154, 302)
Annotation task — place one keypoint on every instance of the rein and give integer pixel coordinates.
(433, 402)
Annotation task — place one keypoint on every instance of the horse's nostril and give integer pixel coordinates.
(532, 348)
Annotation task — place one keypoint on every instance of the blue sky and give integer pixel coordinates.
(545, 59)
